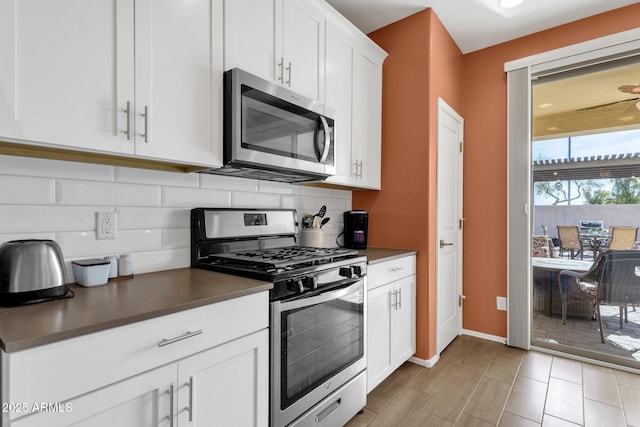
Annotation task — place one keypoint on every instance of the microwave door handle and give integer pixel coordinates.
(327, 139)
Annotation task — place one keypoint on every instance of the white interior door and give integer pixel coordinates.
(449, 226)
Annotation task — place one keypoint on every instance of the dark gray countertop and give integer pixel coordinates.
(375, 255)
(118, 303)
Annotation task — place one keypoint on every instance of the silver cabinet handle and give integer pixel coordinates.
(146, 123)
(443, 243)
(356, 165)
(288, 82)
(170, 416)
(127, 111)
(400, 299)
(281, 66)
(359, 175)
(394, 302)
(395, 269)
(188, 334)
(190, 408)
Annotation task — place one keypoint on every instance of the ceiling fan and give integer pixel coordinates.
(634, 90)
(631, 89)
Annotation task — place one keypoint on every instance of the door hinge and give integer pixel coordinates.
(460, 222)
(461, 147)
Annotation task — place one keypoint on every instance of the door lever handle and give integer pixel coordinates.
(443, 243)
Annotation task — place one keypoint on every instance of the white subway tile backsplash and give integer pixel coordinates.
(107, 193)
(254, 200)
(85, 244)
(228, 183)
(37, 219)
(153, 217)
(173, 238)
(48, 199)
(169, 259)
(17, 190)
(155, 177)
(28, 166)
(186, 197)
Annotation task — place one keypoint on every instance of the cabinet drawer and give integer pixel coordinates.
(59, 371)
(387, 271)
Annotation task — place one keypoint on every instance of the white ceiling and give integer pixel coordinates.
(476, 24)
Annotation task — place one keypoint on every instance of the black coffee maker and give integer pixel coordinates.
(355, 229)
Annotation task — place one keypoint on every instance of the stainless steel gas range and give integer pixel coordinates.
(317, 305)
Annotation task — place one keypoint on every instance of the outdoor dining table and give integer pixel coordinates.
(595, 240)
(545, 279)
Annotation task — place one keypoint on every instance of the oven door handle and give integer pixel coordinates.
(349, 287)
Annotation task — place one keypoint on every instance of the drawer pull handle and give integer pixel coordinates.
(189, 334)
(326, 412)
(394, 269)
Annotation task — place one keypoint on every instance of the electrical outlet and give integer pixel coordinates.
(501, 302)
(106, 226)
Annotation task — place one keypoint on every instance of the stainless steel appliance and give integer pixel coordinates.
(356, 229)
(317, 310)
(31, 271)
(272, 133)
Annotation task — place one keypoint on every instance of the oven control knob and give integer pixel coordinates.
(357, 271)
(345, 272)
(300, 285)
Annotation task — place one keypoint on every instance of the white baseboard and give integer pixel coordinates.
(426, 363)
(430, 363)
(488, 337)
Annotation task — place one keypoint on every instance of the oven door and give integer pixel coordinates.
(317, 346)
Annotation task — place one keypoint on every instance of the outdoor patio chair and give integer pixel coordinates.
(542, 246)
(623, 238)
(569, 240)
(613, 279)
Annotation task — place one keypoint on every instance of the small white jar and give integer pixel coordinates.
(125, 265)
(113, 269)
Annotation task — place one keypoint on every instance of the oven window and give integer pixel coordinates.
(274, 126)
(319, 341)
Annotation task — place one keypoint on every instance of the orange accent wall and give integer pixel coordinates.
(423, 64)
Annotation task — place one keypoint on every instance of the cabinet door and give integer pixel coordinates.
(303, 50)
(143, 400)
(368, 119)
(227, 385)
(66, 73)
(249, 38)
(403, 322)
(378, 335)
(339, 96)
(178, 104)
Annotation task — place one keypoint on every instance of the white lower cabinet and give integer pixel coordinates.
(391, 317)
(206, 366)
(227, 385)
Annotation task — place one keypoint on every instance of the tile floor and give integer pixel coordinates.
(483, 383)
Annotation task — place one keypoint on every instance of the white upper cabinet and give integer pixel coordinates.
(278, 40)
(341, 54)
(354, 89)
(67, 72)
(302, 57)
(178, 98)
(80, 75)
(250, 36)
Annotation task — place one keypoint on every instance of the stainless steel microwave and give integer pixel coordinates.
(274, 134)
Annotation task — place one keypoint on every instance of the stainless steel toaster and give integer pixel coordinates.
(31, 271)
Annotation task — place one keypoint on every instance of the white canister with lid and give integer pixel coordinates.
(125, 265)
